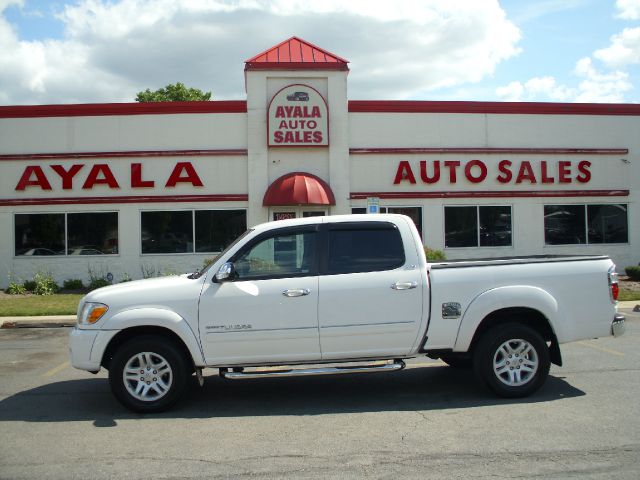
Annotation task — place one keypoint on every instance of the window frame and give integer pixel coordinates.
(585, 225)
(66, 234)
(478, 230)
(193, 229)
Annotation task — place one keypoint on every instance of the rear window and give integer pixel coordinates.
(364, 249)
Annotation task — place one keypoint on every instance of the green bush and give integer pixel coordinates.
(29, 285)
(207, 261)
(45, 284)
(73, 284)
(16, 288)
(633, 272)
(98, 283)
(434, 255)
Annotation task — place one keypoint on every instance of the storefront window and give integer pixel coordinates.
(215, 229)
(39, 234)
(581, 224)
(564, 224)
(90, 233)
(495, 226)
(167, 232)
(607, 224)
(415, 213)
(174, 231)
(483, 226)
(460, 227)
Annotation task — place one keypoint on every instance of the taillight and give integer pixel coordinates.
(614, 289)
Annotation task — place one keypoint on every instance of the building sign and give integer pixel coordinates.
(298, 116)
(88, 176)
(520, 172)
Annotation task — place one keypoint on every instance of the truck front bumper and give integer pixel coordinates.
(80, 345)
(86, 348)
(617, 326)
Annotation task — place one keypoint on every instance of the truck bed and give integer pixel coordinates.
(486, 262)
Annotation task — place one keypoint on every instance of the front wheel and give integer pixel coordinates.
(148, 374)
(512, 360)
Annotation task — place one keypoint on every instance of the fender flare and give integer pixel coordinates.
(518, 296)
(158, 317)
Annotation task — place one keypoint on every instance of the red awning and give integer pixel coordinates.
(298, 188)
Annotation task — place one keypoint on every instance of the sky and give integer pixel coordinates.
(95, 51)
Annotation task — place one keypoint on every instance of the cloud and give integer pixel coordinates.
(111, 50)
(628, 9)
(594, 87)
(594, 84)
(536, 88)
(624, 49)
(600, 87)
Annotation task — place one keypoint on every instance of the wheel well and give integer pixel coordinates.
(129, 333)
(524, 316)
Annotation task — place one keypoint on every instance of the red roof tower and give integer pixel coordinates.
(296, 54)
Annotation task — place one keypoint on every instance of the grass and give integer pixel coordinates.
(628, 295)
(37, 305)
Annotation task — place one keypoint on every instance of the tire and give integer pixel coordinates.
(462, 363)
(512, 360)
(148, 374)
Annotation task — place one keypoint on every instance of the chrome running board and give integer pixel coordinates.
(303, 372)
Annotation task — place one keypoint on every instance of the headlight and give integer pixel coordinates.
(91, 313)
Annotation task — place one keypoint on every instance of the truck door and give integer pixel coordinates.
(370, 291)
(269, 313)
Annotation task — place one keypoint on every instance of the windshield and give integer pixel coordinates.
(201, 272)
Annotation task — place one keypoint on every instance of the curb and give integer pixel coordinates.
(49, 321)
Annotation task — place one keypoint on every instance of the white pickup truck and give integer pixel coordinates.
(340, 294)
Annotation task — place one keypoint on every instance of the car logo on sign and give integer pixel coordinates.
(298, 97)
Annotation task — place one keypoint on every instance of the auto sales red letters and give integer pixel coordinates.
(425, 172)
(508, 171)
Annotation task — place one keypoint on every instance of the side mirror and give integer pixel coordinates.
(226, 273)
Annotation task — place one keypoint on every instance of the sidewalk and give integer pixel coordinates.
(54, 321)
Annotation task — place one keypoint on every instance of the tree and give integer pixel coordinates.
(173, 93)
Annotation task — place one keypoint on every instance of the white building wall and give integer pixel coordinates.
(220, 175)
(346, 173)
(376, 172)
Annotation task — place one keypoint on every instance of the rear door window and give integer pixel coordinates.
(364, 247)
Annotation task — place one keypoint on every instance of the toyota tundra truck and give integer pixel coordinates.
(336, 295)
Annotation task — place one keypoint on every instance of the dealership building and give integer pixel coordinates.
(138, 189)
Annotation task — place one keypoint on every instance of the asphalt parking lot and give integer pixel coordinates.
(428, 421)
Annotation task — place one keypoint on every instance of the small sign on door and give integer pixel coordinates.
(373, 205)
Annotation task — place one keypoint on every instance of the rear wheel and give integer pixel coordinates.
(148, 374)
(512, 360)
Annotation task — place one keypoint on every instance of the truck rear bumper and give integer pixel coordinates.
(617, 326)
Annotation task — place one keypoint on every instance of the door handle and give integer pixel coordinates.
(404, 285)
(296, 292)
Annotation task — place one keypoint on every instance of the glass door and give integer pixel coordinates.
(287, 213)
